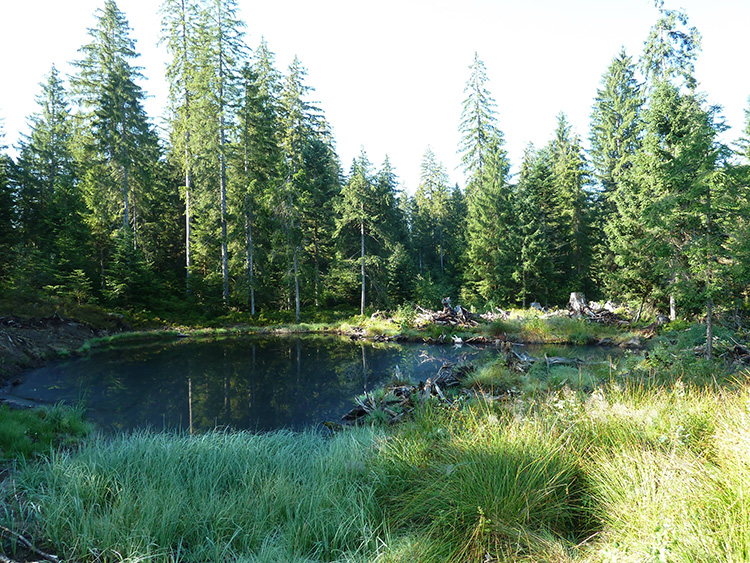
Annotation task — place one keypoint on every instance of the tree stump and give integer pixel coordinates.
(577, 303)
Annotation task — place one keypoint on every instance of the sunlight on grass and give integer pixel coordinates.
(631, 471)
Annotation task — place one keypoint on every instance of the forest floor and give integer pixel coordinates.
(27, 342)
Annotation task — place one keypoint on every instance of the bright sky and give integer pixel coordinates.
(390, 75)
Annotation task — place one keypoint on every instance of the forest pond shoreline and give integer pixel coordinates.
(249, 382)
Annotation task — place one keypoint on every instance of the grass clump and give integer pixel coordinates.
(473, 484)
(27, 433)
(216, 497)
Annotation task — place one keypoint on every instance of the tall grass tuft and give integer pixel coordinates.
(27, 433)
(480, 483)
(210, 498)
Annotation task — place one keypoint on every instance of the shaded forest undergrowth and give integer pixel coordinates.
(642, 458)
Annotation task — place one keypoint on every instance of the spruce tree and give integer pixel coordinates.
(119, 145)
(616, 124)
(257, 159)
(50, 205)
(492, 244)
(616, 134)
(299, 123)
(320, 181)
(681, 169)
(671, 50)
(570, 221)
(8, 219)
(357, 213)
(179, 32)
(534, 268)
(478, 125)
(220, 57)
(431, 219)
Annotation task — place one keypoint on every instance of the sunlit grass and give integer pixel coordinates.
(635, 468)
(210, 498)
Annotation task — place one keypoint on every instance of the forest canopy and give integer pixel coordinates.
(243, 202)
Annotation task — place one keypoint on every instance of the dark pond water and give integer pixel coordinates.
(257, 383)
(248, 383)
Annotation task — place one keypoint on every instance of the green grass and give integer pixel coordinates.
(634, 471)
(646, 459)
(27, 433)
(630, 472)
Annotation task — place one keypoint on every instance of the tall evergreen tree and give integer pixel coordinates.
(570, 222)
(299, 122)
(431, 218)
(492, 251)
(478, 125)
(220, 59)
(671, 50)
(120, 145)
(179, 31)
(616, 124)
(534, 268)
(258, 159)
(50, 205)
(680, 167)
(357, 212)
(321, 186)
(616, 134)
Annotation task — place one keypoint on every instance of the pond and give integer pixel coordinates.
(255, 383)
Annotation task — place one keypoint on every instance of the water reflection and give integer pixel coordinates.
(248, 383)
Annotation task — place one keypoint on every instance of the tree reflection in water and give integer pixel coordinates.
(256, 383)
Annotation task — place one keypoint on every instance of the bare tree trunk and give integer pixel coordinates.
(223, 174)
(188, 175)
(362, 257)
(442, 265)
(188, 219)
(125, 201)
(223, 198)
(296, 285)
(317, 266)
(250, 262)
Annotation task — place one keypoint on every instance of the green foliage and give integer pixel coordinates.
(244, 205)
(28, 433)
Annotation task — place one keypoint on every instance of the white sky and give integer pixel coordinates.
(390, 75)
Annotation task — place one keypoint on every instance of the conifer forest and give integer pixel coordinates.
(240, 200)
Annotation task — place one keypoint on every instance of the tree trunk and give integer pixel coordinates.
(442, 265)
(188, 176)
(709, 328)
(672, 308)
(362, 258)
(296, 285)
(223, 198)
(317, 266)
(223, 176)
(188, 219)
(249, 259)
(125, 201)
